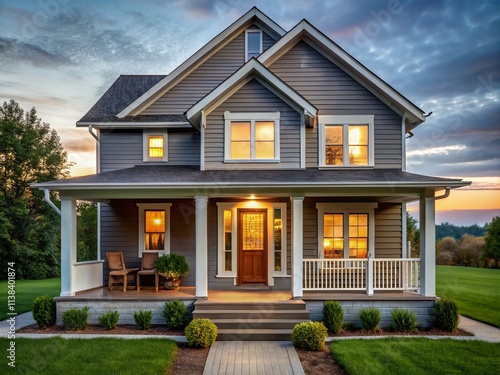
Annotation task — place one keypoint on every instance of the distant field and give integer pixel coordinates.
(476, 291)
(26, 292)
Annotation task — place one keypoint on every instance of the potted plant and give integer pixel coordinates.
(172, 267)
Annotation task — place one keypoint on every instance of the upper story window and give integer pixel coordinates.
(251, 137)
(155, 145)
(253, 43)
(346, 141)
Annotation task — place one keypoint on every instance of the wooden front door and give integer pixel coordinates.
(252, 246)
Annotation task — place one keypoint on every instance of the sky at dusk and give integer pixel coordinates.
(60, 56)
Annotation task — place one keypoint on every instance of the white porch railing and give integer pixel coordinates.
(361, 274)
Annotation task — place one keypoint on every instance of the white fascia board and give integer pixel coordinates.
(366, 76)
(198, 58)
(134, 125)
(251, 67)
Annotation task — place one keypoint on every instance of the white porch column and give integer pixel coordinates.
(297, 246)
(68, 246)
(428, 244)
(201, 203)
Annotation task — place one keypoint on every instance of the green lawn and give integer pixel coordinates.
(417, 356)
(26, 292)
(476, 291)
(95, 356)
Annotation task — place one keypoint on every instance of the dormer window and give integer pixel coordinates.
(253, 43)
(155, 146)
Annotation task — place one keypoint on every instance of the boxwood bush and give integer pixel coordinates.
(143, 319)
(44, 311)
(403, 320)
(175, 314)
(333, 316)
(370, 318)
(201, 333)
(109, 319)
(309, 335)
(75, 319)
(446, 314)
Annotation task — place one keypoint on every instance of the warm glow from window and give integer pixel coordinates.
(333, 145)
(358, 144)
(228, 236)
(154, 228)
(358, 235)
(333, 235)
(155, 145)
(252, 140)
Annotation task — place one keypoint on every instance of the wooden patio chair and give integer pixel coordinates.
(116, 264)
(148, 269)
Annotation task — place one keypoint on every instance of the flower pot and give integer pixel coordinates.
(172, 284)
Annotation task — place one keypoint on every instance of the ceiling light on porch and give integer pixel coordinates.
(252, 196)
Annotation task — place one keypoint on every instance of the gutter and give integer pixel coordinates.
(445, 195)
(50, 203)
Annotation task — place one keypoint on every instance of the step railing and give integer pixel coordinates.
(361, 274)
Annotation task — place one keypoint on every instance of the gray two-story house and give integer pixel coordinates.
(269, 159)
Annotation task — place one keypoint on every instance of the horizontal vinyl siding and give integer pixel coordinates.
(122, 149)
(254, 97)
(204, 78)
(310, 228)
(334, 92)
(388, 227)
(119, 232)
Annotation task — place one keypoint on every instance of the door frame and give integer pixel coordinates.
(265, 255)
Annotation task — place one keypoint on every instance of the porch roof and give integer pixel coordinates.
(178, 177)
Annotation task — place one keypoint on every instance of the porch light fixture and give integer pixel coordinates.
(252, 196)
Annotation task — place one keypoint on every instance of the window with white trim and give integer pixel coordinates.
(251, 137)
(253, 43)
(346, 141)
(346, 230)
(155, 145)
(154, 227)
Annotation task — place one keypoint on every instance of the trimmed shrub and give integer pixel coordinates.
(403, 320)
(175, 314)
(333, 316)
(75, 319)
(142, 319)
(349, 326)
(309, 335)
(201, 333)
(44, 311)
(109, 319)
(446, 314)
(370, 318)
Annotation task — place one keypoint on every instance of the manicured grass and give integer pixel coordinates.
(417, 356)
(26, 292)
(90, 356)
(476, 291)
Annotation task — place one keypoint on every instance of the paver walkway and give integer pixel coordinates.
(252, 357)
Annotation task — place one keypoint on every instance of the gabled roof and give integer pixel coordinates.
(331, 50)
(252, 69)
(254, 15)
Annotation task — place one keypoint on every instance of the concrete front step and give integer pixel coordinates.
(256, 323)
(250, 315)
(259, 306)
(254, 335)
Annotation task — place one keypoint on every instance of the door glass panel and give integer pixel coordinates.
(253, 231)
(278, 230)
(228, 236)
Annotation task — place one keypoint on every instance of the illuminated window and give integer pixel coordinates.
(344, 230)
(154, 224)
(278, 239)
(228, 241)
(155, 146)
(346, 140)
(252, 137)
(253, 43)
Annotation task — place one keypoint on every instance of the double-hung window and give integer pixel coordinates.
(251, 137)
(253, 43)
(346, 141)
(154, 227)
(155, 146)
(346, 230)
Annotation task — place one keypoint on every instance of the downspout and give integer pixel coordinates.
(403, 130)
(98, 148)
(445, 195)
(50, 203)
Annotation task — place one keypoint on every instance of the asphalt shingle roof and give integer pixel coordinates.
(122, 92)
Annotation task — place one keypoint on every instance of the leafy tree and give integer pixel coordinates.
(491, 252)
(469, 251)
(86, 231)
(413, 235)
(30, 151)
(451, 230)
